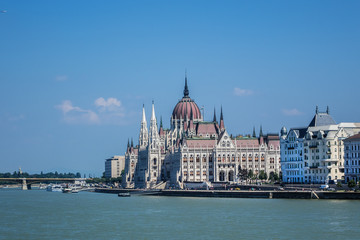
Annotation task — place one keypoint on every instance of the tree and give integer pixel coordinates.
(250, 174)
(243, 174)
(262, 175)
(339, 185)
(351, 184)
(276, 176)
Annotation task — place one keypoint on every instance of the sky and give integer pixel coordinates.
(75, 74)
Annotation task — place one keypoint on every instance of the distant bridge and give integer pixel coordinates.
(26, 182)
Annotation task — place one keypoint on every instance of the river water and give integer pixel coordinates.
(37, 214)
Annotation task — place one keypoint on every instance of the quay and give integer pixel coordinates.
(270, 194)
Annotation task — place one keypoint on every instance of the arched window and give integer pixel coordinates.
(154, 161)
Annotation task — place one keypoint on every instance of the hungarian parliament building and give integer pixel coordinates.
(195, 151)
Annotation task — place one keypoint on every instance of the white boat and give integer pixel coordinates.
(54, 188)
(67, 190)
(125, 194)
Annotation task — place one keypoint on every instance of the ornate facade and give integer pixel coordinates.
(194, 150)
(315, 154)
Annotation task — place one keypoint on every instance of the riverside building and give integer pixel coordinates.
(194, 150)
(114, 166)
(315, 154)
(352, 158)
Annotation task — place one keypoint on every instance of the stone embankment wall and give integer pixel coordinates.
(238, 194)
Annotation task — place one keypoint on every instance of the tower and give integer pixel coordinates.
(143, 137)
(153, 131)
(222, 125)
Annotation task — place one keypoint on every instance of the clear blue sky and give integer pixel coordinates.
(74, 74)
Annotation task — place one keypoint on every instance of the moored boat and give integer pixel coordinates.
(125, 194)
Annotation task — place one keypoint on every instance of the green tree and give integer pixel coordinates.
(339, 185)
(262, 175)
(250, 173)
(351, 184)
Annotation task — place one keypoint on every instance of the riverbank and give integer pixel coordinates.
(239, 194)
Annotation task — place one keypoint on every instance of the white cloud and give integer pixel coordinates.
(291, 112)
(61, 78)
(73, 114)
(109, 103)
(107, 111)
(243, 92)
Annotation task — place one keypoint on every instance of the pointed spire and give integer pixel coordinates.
(254, 134)
(214, 119)
(222, 125)
(132, 143)
(186, 90)
(143, 136)
(327, 110)
(143, 114)
(221, 115)
(317, 110)
(128, 145)
(161, 125)
(261, 132)
(153, 131)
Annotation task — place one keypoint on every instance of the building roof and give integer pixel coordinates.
(299, 131)
(353, 138)
(322, 119)
(204, 128)
(186, 107)
(203, 143)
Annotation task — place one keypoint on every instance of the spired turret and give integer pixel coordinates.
(143, 137)
(283, 132)
(153, 131)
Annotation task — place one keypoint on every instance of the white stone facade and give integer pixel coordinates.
(317, 151)
(194, 150)
(352, 158)
(292, 155)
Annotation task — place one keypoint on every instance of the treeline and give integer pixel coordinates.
(41, 175)
(244, 174)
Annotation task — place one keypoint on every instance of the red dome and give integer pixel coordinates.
(184, 107)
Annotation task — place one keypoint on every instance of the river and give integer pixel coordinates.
(37, 214)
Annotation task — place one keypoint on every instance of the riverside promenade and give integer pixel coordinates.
(239, 193)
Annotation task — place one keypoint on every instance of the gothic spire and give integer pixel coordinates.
(221, 115)
(261, 132)
(222, 125)
(327, 110)
(153, 112)
(143, 136)
(254, 134)
(143, 114)
(128, 145)
(132, 143)
(214, 119)
(317, 110)
(161, 122)
(186, 90)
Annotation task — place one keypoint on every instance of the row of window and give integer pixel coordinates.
(353, 170)
(352, 162)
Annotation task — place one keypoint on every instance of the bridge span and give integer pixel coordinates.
(26, 182)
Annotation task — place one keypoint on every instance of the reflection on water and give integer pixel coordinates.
(37, 214)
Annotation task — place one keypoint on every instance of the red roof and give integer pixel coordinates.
(354, 137)
(184, 107)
